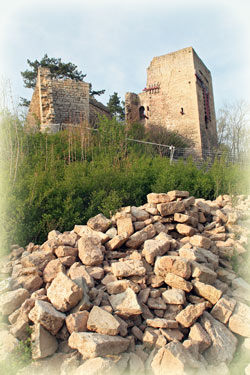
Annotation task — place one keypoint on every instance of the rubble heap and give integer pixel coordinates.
(150, 290)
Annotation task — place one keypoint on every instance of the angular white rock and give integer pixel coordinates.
(45, 314)
(92, 345)
(126, 303)
(63, 293)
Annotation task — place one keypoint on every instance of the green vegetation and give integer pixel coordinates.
(233, 122)
(116, 107)
(57, 68)
(59, 180)
(240, 360)
(20, 357)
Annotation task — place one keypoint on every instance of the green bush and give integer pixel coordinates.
(18, 358)
(59, 180)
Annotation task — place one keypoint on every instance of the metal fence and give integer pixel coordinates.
(208, 156)
(176, 153)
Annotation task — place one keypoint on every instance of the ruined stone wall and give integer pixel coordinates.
(41, 110)
(47, 110)
(56, 103)
(132, 104)
(172, 99)
(71, 101)
(34, 115)
(97, 109)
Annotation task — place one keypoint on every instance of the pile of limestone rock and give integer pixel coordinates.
(151, 290)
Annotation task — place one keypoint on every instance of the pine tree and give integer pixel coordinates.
(116, 107)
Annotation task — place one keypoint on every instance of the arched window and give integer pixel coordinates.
(142, 113)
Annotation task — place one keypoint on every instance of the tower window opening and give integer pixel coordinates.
(206, 121)
(142, 113)
(206, 105)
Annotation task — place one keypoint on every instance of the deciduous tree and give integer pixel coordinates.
(233, 127)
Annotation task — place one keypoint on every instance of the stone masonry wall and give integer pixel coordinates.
(34, 115)
(41, 109)
(71, 101)
(46, 96)
(208, 130)
(132, 103)
(96, 109)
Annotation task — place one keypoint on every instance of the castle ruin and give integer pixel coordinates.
(179, 97)
(56, 104)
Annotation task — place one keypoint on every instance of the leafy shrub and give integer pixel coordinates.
(19, 358)
(58, 180)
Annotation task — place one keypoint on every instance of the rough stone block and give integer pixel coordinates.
(158, 198)
(198, 334)
(170, 208)
(203, 273)
(185, 230)
(178, 282)
(209, 292)
(223, 309)
(174, 359)
(92, 345)
(11, 301)
(43, 343)
(174, 264)
(190, 314)
(117, 241)
(45, 314)
(174, 296)
(63, 293)
(224, 342)
(201, 241)
(77, 322)
(99, 223)
(125, 304)
(101, 321)
(125, 224)
(128, 268)
(90, 250)
(141, 236)
(52, 269)
(239, 322)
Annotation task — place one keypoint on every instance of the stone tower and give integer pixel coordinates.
(179, 97)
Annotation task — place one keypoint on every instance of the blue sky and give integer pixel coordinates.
(113, 41)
